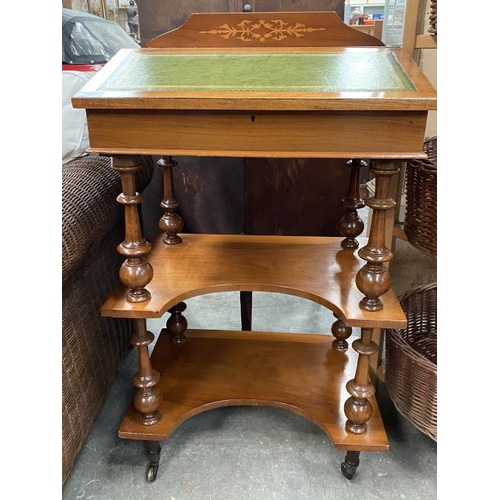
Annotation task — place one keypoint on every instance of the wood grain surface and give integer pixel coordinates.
(315, 268)
(296, 372)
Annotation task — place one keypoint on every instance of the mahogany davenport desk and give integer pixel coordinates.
(366, 103)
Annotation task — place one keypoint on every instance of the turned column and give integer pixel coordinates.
(171, 223)
(341, 332)
(373, 279)
(177, 324)
(135, 272)
(147, 398)
(358, 408)
(351, 224)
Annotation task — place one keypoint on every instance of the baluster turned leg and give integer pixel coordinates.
(171, 223)
(373, 279)
(358, 408)
(341, 332)
(147, 398)
(135, 272)
(351, 224)
(177, 324)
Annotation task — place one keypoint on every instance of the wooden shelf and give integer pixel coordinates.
(297, 372)
(426, 42)
(399, 231)
(315, 268)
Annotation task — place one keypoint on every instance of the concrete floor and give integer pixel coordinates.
(255, 453)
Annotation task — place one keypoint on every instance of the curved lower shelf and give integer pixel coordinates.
(297, 372)
(315, 268)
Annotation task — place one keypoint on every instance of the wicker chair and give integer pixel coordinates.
(92, 346)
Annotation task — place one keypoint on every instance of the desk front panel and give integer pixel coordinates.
(299, 134)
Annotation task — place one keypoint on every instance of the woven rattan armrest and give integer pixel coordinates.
(89, 208)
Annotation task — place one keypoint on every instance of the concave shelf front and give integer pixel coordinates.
(301, 373)
(315, 268)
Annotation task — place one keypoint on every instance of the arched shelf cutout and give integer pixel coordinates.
(314, 268)
(214, 369)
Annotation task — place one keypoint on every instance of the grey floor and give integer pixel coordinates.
(257, 453)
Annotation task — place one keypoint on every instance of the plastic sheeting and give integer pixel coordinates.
(89, 39)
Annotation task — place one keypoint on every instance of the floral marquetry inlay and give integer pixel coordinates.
(262, 30)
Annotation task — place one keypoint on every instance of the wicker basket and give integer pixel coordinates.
(433, 18)
(411, 360)
(420, 224)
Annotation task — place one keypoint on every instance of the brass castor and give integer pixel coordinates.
(153, 450)
(350, 464)
(152, 473)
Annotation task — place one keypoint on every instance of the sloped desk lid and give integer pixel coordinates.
(325, 78)
(260, 72)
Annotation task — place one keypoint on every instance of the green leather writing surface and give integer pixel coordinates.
(363, 71)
